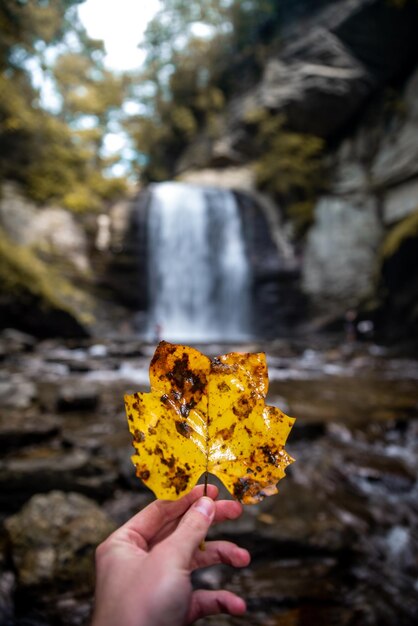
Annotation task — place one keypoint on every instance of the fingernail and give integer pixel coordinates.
(206, 506)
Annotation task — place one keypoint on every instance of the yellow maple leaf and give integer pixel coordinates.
(208, 415)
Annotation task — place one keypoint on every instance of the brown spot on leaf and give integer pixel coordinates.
(139, 436)
(243, 407)
(226, 433)
(179, 480)
(247, 490)
(186, 407)
(269, 455)
(170, 462)
(183, 428)
(218, 367)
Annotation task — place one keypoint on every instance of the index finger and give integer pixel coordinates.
(151, 520)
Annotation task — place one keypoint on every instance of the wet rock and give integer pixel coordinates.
(288, 581)
(16, 213)
(42, 469)
(58, 234)
(302, 518)
(397, 158)
(127, 468)
(312, 80)
(73, 611)
(131, 348)
(301, 431)
(7, 586)
(340, 252)
(74, 397)
(209, 578)
(20, 430)
(13, 340)
(98, 351)
(328, 65)
(349, 177)
(400, 201)
(53, 539)
(125, 504)
(16, 392)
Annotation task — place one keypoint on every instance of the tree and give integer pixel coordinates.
(55, 157)
(28, 26)
(197, 54)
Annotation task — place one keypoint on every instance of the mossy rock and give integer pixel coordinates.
(35, 298)
(406, 229)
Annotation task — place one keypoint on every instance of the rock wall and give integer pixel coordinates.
(345, 71)
(51, 230)
(340, 254)
(361, 245)
(333, 57)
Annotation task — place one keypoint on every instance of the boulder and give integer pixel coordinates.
(53, 230)
(12, 340)
(53, 539)
(7, 588)
(341, 249)
(348, 177)
(34, 470)
(397, 158)
(239, 177)
(330, 63)
(76, 397)
(17, 392)
(317, 84)
(56, 233)
(17, 214)
(123, 272)
(17, 429)
(400, 201)
(332, 59)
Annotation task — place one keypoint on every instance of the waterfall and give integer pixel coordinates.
(199, 283)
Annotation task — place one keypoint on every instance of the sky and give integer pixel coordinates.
(121, 24)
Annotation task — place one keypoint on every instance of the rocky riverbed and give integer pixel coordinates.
(338, 545)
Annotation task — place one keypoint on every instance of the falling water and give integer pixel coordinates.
(198, 271)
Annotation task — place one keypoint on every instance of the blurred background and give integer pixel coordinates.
(232, 175)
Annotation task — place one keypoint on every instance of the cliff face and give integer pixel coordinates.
(345, 72)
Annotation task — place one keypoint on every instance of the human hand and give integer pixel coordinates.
(143, 569)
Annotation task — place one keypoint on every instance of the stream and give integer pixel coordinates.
(337, 545)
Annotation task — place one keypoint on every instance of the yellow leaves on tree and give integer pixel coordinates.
(208, 415)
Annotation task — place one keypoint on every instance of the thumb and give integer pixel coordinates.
(191, 531)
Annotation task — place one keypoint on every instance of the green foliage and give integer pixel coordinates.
(188, 76)
(94, 194)
(406, 229)
(21, 273)
(26, 23)
(289, 166)
(56, 158)
(56, 166)
(87, 88)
